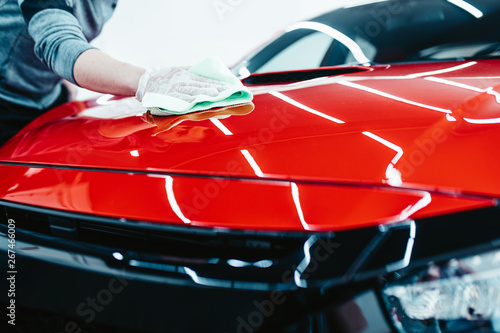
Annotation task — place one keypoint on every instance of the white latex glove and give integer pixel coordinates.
(178, 82)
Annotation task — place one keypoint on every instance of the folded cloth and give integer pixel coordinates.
(233, 92)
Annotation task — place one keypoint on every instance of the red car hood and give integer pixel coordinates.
(383, 145)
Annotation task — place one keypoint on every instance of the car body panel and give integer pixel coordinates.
(225, 203)
(358, 141)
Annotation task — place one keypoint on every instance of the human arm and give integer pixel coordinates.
(95, 70)
(59, 43)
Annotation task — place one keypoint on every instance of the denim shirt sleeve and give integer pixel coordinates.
(57, 34)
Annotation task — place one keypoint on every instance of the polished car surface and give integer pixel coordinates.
(359, 191)
(361, 148)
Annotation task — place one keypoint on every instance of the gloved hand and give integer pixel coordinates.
(178, 82)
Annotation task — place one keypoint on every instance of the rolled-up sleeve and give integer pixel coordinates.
(57, 34)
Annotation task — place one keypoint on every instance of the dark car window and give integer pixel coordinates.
(385, 32)
(303, 53)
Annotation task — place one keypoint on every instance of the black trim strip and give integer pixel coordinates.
(301, 75)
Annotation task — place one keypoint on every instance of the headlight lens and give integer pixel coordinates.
(459, 296)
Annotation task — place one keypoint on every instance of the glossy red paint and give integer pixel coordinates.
(224, 203)
(347, 151)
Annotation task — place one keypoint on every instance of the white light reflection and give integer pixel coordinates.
(240, 263)
(403, 263)
(32, 171)
(335, 34)
(118, 256)
(305, 108)
(105, 99)
(396, 98)
(221, 126)
(483, 121)
(152, 265)
(494, 93)
(169, 186)
(454, 84)
(392, 174)
(134, 153)
(296, 200)
(252, 163)
(412, 209)
(467, 7)
(442, 71)
(205, 281)
(449, 117)
(305, 262)
(388, 144)
(244, 72)
(489, 90)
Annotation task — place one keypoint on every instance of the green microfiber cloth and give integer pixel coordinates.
(212, 68)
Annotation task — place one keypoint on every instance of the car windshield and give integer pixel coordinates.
(381, 31)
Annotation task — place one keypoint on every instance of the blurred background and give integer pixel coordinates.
(165, 33)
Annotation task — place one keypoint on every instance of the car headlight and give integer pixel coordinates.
(461, 295)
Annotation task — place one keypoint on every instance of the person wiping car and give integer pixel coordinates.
(43, 43)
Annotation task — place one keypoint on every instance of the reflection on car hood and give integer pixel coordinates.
(433, 127)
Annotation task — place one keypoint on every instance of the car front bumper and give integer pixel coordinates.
(93, 271)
